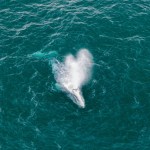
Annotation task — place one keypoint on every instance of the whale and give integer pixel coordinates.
(72, 74)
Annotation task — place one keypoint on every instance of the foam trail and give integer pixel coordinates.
(73, 73)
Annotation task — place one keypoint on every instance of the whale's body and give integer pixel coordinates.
(73, 73)
(66, 84)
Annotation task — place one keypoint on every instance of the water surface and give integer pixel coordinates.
(34, 115)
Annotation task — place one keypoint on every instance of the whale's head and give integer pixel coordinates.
(78, 98)
(74, 93)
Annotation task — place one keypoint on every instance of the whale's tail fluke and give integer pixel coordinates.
(42, 55)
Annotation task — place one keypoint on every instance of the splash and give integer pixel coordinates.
(73, 73)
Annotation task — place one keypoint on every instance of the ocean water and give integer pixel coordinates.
(34, 115)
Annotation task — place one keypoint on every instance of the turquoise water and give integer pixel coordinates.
(34, 115)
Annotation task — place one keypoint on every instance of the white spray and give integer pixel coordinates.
(73, 73)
